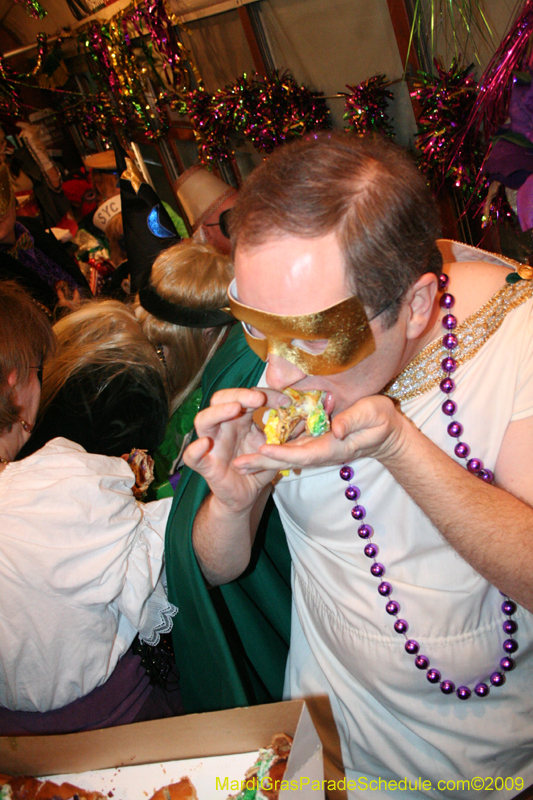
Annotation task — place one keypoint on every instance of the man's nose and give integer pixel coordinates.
(281, 373)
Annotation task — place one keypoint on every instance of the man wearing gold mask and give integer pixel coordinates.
(409, 520)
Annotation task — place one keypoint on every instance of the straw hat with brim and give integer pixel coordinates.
(200, 193)
(104, 161)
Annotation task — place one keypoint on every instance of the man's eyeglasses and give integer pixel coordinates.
(223, 222)
(39, 373)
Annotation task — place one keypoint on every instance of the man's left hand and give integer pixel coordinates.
(371, 428)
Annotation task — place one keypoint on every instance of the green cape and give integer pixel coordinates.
(230, 642)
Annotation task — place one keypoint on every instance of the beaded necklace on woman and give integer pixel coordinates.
(371, 549)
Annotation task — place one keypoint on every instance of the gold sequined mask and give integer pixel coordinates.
(7, 192)
(344, 326)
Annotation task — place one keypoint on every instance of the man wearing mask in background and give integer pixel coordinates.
(206, 200)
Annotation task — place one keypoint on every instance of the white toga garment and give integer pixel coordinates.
(392, 722)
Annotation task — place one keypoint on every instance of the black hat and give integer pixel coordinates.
(171, 312)
(148, 228)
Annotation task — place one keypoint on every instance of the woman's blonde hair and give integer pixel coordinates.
(99, 334)
(194, 275)
(115, 236)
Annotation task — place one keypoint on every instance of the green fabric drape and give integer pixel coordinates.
(230, 642)
(179, 425)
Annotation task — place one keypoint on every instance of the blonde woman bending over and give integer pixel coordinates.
(181, 313)
(104, 389)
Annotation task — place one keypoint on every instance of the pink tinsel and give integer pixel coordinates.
(492, 104)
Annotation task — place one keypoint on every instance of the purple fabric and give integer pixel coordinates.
(116, 702)
(161, 703)
(509, 163)
(39, 262)
(521, 108)
(524, 204)
(173, 479)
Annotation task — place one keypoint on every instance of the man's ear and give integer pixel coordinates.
(421, 303)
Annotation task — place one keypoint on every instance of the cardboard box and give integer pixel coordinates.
(104, 760)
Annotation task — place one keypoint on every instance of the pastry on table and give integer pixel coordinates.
(27, 788)
(263, 780)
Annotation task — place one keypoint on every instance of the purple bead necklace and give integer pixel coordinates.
(475, 467)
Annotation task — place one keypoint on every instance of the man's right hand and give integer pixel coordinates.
(226, 430)
(225, 525)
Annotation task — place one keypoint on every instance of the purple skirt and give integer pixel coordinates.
(127, 696)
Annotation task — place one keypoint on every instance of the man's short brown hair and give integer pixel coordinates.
(366, 189)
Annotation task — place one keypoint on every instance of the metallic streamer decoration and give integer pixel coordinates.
(33, 8)
(42, 52)
(278, 110)
(123, 101)
(492, 103)
(10, 100)
(129, 80)
(266, 111)
(366, 106)
(446, 100)
(117, 71)
(151, 17)
(459, 22)
(212, 120)
(96, 47)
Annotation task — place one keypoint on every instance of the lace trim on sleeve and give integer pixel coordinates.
(158, 614)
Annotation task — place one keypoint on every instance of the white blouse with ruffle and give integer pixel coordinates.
(79, 559)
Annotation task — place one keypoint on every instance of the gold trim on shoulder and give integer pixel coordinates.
(424, 372)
